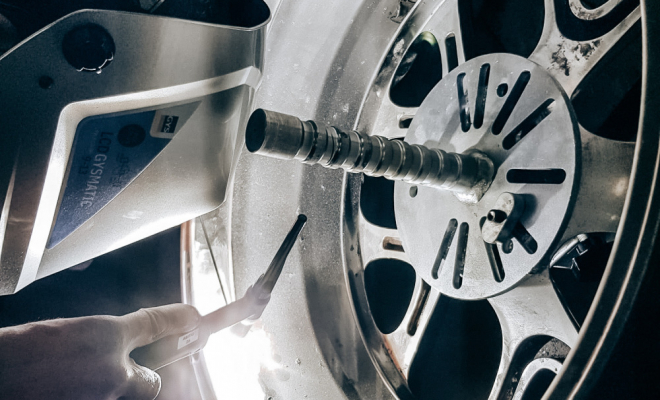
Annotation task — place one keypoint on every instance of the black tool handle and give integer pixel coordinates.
(266, 282)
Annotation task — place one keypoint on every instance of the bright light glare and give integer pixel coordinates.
(234, 363)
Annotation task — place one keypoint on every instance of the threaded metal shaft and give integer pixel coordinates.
(287, 137)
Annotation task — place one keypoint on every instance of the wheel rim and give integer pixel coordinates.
(523, 318)
(334, 107)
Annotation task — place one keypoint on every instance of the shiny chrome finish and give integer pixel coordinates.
(599, 170)
(286, 137)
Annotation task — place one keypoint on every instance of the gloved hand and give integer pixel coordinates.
(87, 358)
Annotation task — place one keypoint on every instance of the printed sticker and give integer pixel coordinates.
(188, 338)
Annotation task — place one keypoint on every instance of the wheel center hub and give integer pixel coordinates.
(515, 113)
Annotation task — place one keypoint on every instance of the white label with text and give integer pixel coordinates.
(188, 338)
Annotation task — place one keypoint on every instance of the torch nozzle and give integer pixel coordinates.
(266, 282)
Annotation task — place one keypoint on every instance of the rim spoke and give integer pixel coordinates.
(568, 60)
(590, 14)
(398, 348)
(393, 121)
(530, 310)
(405, 341)
(382, 243)
(377, 242)
(531, 370)
(445, 25)
(606, 166)
(443, 22)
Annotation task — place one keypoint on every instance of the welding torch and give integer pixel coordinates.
(242, 314)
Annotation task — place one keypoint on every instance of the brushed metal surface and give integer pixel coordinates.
(159, 61)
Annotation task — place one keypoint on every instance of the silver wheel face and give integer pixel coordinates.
(540, 142)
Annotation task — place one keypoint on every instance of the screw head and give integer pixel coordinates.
(88, 47)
